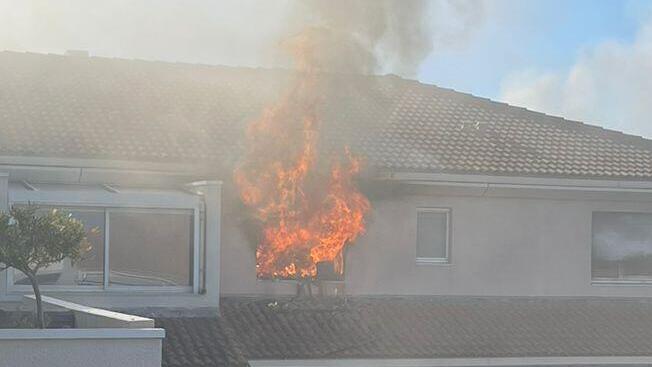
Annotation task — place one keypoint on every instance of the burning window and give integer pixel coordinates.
(307, 205)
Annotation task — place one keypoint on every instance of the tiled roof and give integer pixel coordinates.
(70, 106)
(198, 342)
(421, 327)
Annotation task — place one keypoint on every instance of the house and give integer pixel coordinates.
(497, 235)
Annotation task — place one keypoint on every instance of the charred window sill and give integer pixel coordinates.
(295, 281)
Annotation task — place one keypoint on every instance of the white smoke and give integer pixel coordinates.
(373, 35)
(198, 31)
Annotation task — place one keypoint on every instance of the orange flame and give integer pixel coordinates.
(306, 217)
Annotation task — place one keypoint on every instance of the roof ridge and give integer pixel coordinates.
(141, 60)
(181, 63)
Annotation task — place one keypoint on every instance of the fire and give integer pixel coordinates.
(307, 216)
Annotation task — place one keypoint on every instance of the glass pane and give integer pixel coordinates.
(88, 271)
(622, 245)
(431, 234)
(150, 249)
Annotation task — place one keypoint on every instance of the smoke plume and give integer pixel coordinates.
(375, 36)
(369, 36)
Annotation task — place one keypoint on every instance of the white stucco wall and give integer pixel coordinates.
(510, 236)
(505, 242)
(70, 348)
(99, 338)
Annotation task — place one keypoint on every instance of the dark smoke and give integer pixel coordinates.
(373, 36)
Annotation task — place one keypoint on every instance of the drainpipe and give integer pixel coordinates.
(4, 206)
(211, 191)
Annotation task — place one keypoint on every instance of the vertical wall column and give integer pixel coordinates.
(4, 205)
(210, 263)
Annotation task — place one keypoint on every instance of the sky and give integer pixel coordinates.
(521, 35)
(589, 60)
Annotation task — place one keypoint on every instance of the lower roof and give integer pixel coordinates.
(409, 327)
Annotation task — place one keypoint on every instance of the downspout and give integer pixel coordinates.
(209, 278)
(202, 233)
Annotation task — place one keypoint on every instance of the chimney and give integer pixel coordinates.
(77, 53)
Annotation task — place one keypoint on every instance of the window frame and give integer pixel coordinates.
(644, 281)
(435, 260)
(154, 201)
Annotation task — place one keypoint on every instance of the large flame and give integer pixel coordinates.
(307, 216)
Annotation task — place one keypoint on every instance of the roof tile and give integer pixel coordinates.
(410, 327)
(102, 108)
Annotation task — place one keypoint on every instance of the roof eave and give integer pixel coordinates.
(459, 362)
(514, 181)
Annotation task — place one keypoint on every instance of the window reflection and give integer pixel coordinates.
(150, 248)
(89, 271)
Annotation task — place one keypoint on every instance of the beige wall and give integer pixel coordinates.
(508, 242)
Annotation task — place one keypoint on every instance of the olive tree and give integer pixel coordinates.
(32, 239)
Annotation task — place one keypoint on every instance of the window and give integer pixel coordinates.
(143, 239)
(145, 247)
(87, 272)
(433, 235)
(150, 248)
(621, 246)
